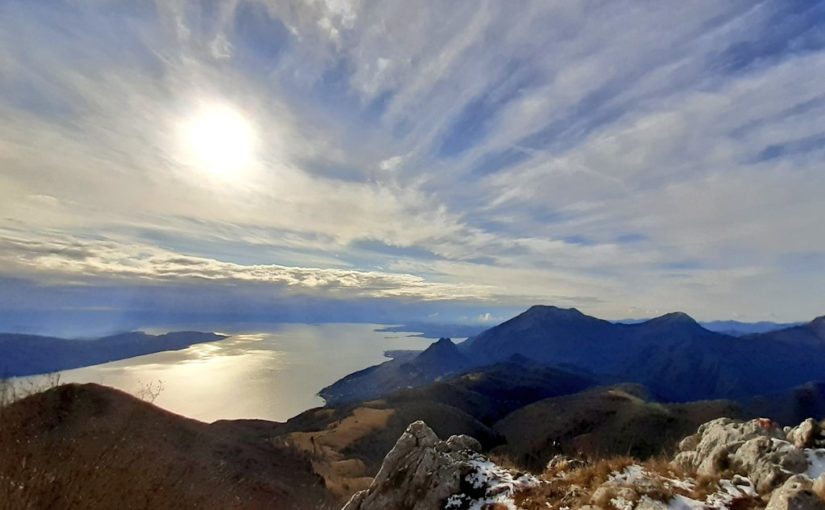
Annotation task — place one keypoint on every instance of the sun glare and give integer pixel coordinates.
(220, 140)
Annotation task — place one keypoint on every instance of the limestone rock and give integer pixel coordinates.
(756, 449)
(796, 494)
(819, 486)
(808, 434)
(768, 462)
(650, 504)
(422, 472)
(463, 442)
(608, 492)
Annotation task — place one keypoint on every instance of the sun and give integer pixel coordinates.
(219, 139)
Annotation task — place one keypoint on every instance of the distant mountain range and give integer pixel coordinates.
(737, 328)
(673, 356)
(30, 354)
(439, 330)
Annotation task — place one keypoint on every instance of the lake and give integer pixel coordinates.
(272, 374)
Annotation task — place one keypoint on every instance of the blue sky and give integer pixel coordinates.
(442, 160)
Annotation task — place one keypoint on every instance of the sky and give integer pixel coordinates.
(448, 161)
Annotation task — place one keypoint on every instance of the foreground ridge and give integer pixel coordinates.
(726, 465)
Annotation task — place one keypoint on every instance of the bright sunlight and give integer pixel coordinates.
(220, 140)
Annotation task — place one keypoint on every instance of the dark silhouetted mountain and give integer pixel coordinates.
(28, 354)
(812, 333)
(672, 355)
(549, 334)
(440, 359)
(732, 328)
(491, 392)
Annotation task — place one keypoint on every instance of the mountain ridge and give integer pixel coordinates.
(22, 355)
(673, 355)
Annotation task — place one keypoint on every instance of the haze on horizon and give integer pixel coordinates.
(444, 161)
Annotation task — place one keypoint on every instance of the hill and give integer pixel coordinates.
(347, 441)
(22, 355)
(89, 446)
(601, 423)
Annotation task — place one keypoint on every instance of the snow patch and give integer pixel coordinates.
(816, 462)
(499, 486)
(619, 503)
(629, 475)
(729, 491)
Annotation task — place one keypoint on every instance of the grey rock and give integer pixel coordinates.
(422, 472)
(463, 442)
(768, 462)
(818, 486)
(650, 504)
(806, 434)
(756, 449)
(415, 475)
(796, 494)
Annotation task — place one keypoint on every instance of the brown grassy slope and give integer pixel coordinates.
(347, 445)
(89, 446)
(601, 423)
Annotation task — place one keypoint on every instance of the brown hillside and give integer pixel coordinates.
(600, 423)
(89, 446)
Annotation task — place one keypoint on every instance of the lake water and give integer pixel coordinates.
(272, 375)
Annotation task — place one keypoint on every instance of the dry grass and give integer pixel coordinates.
(12, 390)
(86, 446)
(343, 476)
(563, 487)
(571, 489)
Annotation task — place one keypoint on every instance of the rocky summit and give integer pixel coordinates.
(726, 465)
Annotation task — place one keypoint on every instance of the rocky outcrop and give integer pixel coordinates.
(758, 450)
(424, 473)
(726, 465)
(796, 494)
(808, 434)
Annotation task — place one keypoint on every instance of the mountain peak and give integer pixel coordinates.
(550, 311)
(675, 318)
(818, 326)
(441, 346)
(440, 352)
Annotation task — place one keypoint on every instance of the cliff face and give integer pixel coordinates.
(726, 465)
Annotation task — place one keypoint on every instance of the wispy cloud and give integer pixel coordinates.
(621, 156)
(64, 260)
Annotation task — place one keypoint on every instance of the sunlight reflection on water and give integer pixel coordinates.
(271, 375)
